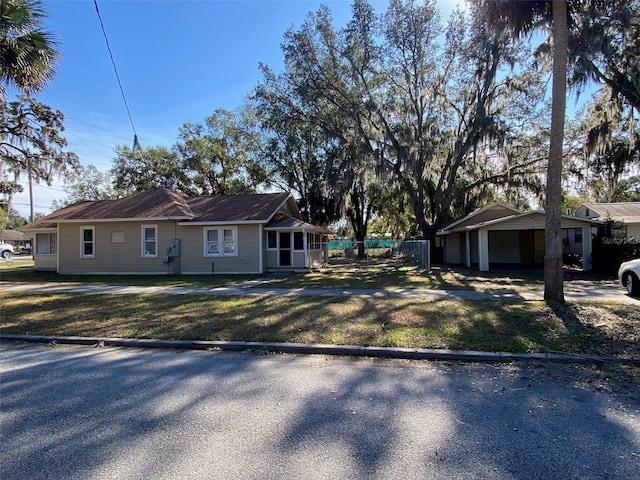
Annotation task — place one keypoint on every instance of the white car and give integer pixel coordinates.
(6, 250)
(629, 276)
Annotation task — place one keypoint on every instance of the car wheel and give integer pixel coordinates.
(633, 285)
(5, 253)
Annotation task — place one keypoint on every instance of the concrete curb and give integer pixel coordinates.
(321, 349)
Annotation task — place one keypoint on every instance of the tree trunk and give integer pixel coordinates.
(553, 286)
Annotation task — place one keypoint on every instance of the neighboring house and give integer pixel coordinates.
(161, 232)
(13, 237)
(626, 214)
(500, 234)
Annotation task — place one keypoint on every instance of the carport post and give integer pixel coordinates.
(587, 247)
(483, 250)
(467, 242)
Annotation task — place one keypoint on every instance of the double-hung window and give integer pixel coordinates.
(149, 241)
(220, 242)
(87, 242)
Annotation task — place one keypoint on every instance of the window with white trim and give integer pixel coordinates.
(87, 242)
(298, 241)
(314, 241)
(149, 241)
(220, 242)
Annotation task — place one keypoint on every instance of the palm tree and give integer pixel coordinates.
(522, 17)
(28, 54)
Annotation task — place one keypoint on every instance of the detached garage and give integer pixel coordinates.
(501, 235)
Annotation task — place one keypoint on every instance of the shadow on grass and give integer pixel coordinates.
(412, 323)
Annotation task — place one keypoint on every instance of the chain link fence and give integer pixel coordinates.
(411, 252)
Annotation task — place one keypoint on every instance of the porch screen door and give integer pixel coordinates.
(285, 249)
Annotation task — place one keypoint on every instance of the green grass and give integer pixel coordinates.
(488, 325)
(22, 271)
(416, 323)
(370, 277)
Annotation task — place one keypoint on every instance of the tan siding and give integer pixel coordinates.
(491, 214)
(110, 257)
(194, 261)
(271, 259)
(454, 243)
(633, 231)
(569, 244)
(45, 262)
(298, 259)
(528, 222)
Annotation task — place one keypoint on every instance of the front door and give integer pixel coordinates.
(285, 249)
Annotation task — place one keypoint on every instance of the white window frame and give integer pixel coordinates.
(82, 242)
(143, 242)
(221, 241)
(314, 241)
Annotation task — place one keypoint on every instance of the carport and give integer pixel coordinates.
(514, 239)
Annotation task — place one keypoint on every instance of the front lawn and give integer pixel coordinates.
(356, 275)
(486, 325)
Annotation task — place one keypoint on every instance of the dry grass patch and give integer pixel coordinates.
(414, 323)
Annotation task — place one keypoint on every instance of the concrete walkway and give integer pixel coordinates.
(586, 293)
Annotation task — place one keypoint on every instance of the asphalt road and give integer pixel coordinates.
(111, 413)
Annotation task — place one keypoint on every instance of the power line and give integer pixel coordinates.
(97, 127)
(90, 140)
(135, 135)
(37, 185)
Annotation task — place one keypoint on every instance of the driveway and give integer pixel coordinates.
(109, 413)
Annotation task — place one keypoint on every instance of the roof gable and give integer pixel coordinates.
(490, 212)
(534, 215)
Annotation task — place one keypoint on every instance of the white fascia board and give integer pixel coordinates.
(284, 202)
(228, 222)
(496, 221)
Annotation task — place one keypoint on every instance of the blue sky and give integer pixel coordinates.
(178, 61)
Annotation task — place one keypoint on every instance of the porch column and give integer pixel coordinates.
(261, 249)
(467, 244)
(483, 250)
(587, 247)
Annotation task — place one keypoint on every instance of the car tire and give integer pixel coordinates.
(5, 253)
(633, 284)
